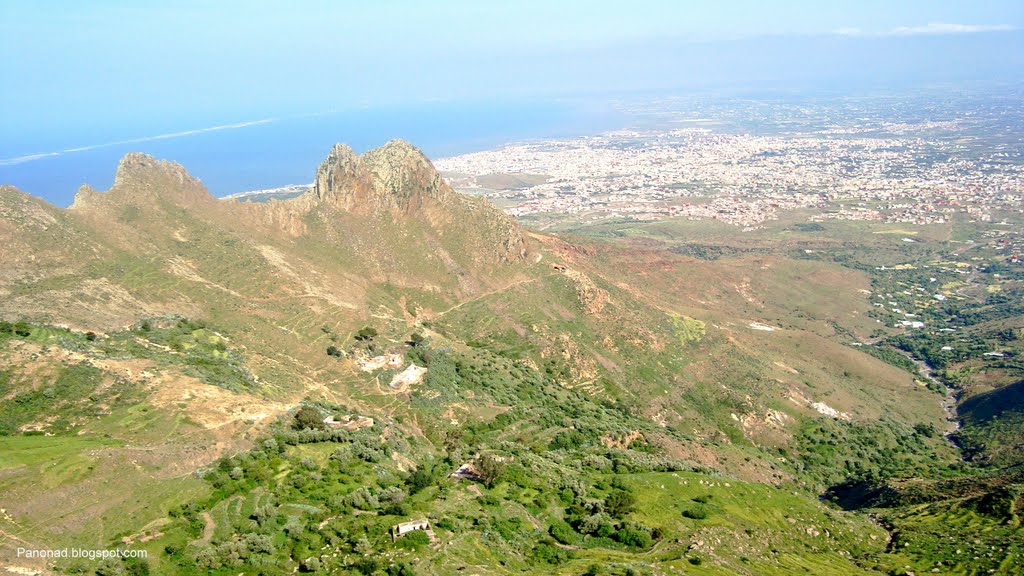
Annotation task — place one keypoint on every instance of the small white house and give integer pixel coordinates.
(399, 530)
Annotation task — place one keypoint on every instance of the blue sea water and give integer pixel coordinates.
(288, 149)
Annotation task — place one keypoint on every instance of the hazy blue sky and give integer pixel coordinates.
(78, 73)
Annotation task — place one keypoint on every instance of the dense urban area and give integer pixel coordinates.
(861, 159)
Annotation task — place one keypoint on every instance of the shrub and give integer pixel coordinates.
(419, 479)
(366, 566)
(567, 440)
(619, 503)
(489, 469)
(549, 554)
(366, 333)
(698, 512)
(400, 568)
(311, 564)
(561, 530)
(413, 540)
(22, 329)
(308, 418)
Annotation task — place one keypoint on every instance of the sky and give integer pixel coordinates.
(81, 74)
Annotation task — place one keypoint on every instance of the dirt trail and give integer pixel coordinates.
(208, 528)
(486, 294)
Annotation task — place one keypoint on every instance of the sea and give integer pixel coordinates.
(244, 154)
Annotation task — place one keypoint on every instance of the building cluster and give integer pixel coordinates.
(745, 179)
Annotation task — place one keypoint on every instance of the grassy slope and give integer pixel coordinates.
(509, 323)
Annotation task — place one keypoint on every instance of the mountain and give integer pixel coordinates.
(169, 360)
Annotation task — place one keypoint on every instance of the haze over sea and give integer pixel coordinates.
(242, 154)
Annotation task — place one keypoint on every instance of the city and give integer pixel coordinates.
(914, 172)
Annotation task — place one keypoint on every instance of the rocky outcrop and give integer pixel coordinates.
(342, 180)
(394, 183)
(398, 181)
(405, 176)
(142, 179)
(396, 176)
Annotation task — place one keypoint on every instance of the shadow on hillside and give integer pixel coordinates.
(983, 407)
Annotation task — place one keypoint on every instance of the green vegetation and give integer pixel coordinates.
(829, 451)
(60, 407)
(567, 421)
(687, 329)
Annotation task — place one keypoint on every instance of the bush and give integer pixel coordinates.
(366, 333)
(22, 329)
(698, 512)
(489, 469)
(400, 569)
(550, 554)
(634, 537)
(561, 530)
(310, 565)
(308, 418)
(619, 503)
(567, 440)
(413, 540)
(419, 479)
(925, 429)
(332, 350)
(366, 566)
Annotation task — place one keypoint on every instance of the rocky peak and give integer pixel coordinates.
(404, 172)
(342, 179)
(396, 176)
(142, 178)
(136, 165)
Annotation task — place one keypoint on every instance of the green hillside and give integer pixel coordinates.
(264, 388)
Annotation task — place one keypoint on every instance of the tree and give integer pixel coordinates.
(111, 567)
(416, 339)
(489, 469)
(419, 479)
(22, 329)
(311, 564)
(366, 333)
(401, 568)
(619, 503)
(308, 418)
(925, 429)
(332, 350)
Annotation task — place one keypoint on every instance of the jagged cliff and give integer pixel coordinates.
(384, 217)
(397, 181)
(140, 178)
